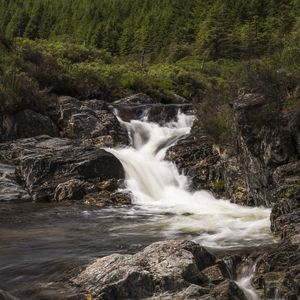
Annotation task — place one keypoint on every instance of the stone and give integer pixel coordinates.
(214, 274)
(91, 122)
(162, 267)
(226, 290)
(45, 162)
(26, 123)
(278, 271)
(105, 198)
(135, 99)
(6, 296)
(10, 189)
(73, 189)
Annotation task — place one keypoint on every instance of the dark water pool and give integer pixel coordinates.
(42, 245)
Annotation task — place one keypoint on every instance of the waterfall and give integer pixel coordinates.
(159, 187)
(244, 282)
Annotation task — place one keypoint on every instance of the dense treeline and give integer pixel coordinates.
(204, 51)
(161, 28)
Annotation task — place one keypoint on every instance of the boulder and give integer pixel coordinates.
(10, 189)
(162, 267)
(135, 99)
(46, 165)
(226, 290)
(26, 123)
(6, 296)
(157, 113)
(278, 271)
(106, 199)
(91, 122)
(74, 189)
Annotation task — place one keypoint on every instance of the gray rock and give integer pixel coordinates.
(106, 198)
(135, 99)
(44, 163)
(161, 267)
(6, 296)
(91, 122)
(73, 189)
(278, 271)
(26, 123)
(10, 189)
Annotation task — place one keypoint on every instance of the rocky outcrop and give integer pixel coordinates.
(10, 189)
(162, 270)
(262, 168)
(135, 99)
(91, 122)
(141, 106)
(57, 168)
(6, 296)
(277, 273)
(26, 123)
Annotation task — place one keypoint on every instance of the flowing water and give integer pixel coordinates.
(158, 187)
(40, 242)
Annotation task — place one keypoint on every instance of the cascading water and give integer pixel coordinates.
(158, 187)
(244, 282)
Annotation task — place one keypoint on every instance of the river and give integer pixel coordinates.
(42, 243)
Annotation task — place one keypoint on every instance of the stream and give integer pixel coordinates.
(41, 244)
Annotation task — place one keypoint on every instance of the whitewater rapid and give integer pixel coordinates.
(159, 188)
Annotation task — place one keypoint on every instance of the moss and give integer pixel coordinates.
(218, 185)
(290, 191)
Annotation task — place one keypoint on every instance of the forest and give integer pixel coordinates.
(112, 48)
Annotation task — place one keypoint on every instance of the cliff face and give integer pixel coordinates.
(262, 167)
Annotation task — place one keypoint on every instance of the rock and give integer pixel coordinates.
(228, 290)
(157, 113)
(106, 199)
(263, 143)
(141, 106)
(196, 158)
(10, 189)
(294, 127)
(45, 162)
(73, 189)
(161, 267)
(92, 122)
(278, 271)
(162, 114)
(214, 274)
(135, 99)
(6, 296)
(26, 123)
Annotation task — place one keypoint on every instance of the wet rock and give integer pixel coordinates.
(26, 123)
(73, 189)
(142, 107)
(44, 163)
(10, 189)
(197, 159)
(278, 271)
(106, 198)
(135, 99)
(214, 274)
(161, 267)
(6, 296)
(157, 113)
(227, 290)
(91, 122)
(191, 292)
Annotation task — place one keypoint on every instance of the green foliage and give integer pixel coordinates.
(173, 28)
